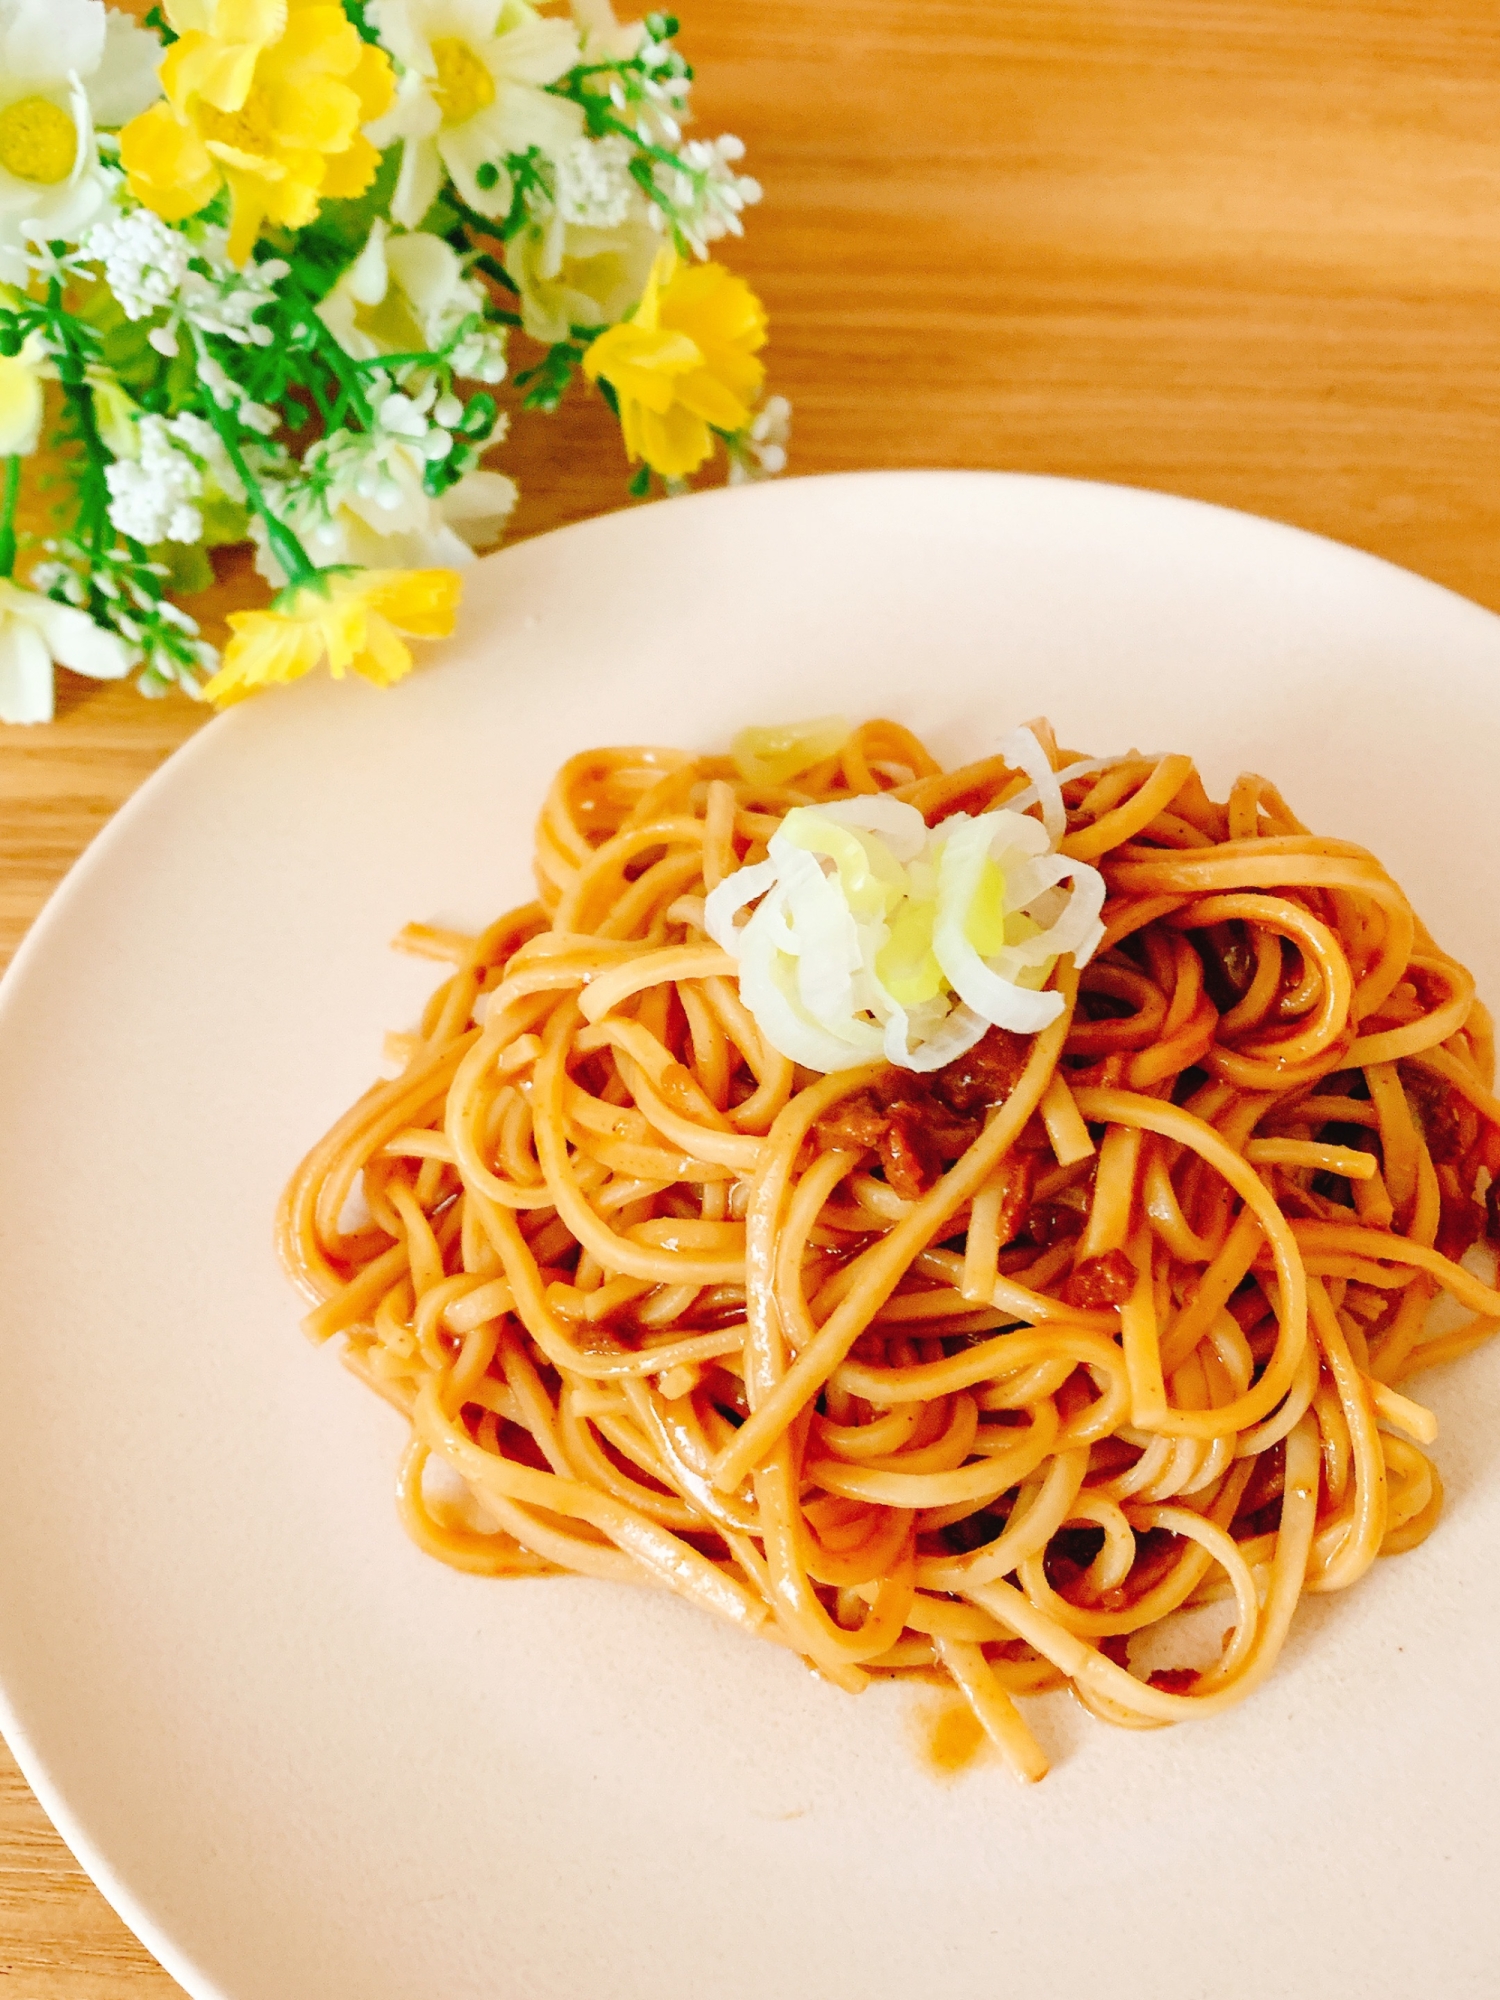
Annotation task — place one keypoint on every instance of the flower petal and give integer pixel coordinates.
(42, 40)
(347, 174)
(168, 167)
(386, 657)
(20, 407)
(426, 268)
(479, 506)
(129, 77)
(528, 117)
(25, 673)
(538, 52)
(466, 148)
(423, 602)
(418, 182)
(76, 641)
(709, 396)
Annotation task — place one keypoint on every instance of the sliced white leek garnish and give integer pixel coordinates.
(873, 936)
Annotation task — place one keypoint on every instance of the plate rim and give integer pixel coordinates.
(211, 741)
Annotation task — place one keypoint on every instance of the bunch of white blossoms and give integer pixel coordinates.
(303, 339)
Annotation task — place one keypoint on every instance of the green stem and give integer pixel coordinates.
(612, 122)
(431, 359)
(8, 515)
(335, 360)
(72, 373)
(93, 486)
(288, 551)
(487, 226)
(493, 268)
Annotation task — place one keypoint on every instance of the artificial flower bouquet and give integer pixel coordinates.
(267, 270)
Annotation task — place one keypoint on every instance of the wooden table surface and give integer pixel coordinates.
(1242, 249)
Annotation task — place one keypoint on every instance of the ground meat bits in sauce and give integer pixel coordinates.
(909, 1153)
(853, 1124)
(918, 1122)
(987, 1074)
(1101, 1281)
(1451, 1125)
(1048, 1222)
(1018, 1175)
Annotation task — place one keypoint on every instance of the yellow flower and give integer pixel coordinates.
(683, 362)
(346, 619)
(266, 96)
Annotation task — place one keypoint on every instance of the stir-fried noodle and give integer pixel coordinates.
(979, 1373)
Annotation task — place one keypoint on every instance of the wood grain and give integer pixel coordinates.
(1242, 249)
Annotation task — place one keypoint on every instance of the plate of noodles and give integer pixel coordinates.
(930, 1137)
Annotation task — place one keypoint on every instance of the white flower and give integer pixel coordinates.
(476, 509)
(144, 261)
(409, 295)
(202, 441)
(65, 66)
(365, 501)
(604, 39)
(187, 275)
(472, 91)
(570, 275)
(761, 452)
(222, 298)
(586, 251)
(152, 494)
(42, 261)
(401, 527)
(175, 462)
(228, 394)
(706, 194)
(126, 81)
(33, 633)
(594, 186)
(21, 397)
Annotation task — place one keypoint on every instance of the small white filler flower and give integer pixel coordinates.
(154, 493)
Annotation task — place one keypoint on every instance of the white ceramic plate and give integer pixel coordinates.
(302, 1759)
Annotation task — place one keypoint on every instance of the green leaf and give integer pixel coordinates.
(320, 253)
(182, 382)
(188, 568)
(442, 218)
(355, 11)
(547, 383)
(225, 522)
(123, 344)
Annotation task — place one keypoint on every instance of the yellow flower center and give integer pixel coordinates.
(463, 84)
(38, 141)
(248, 130)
